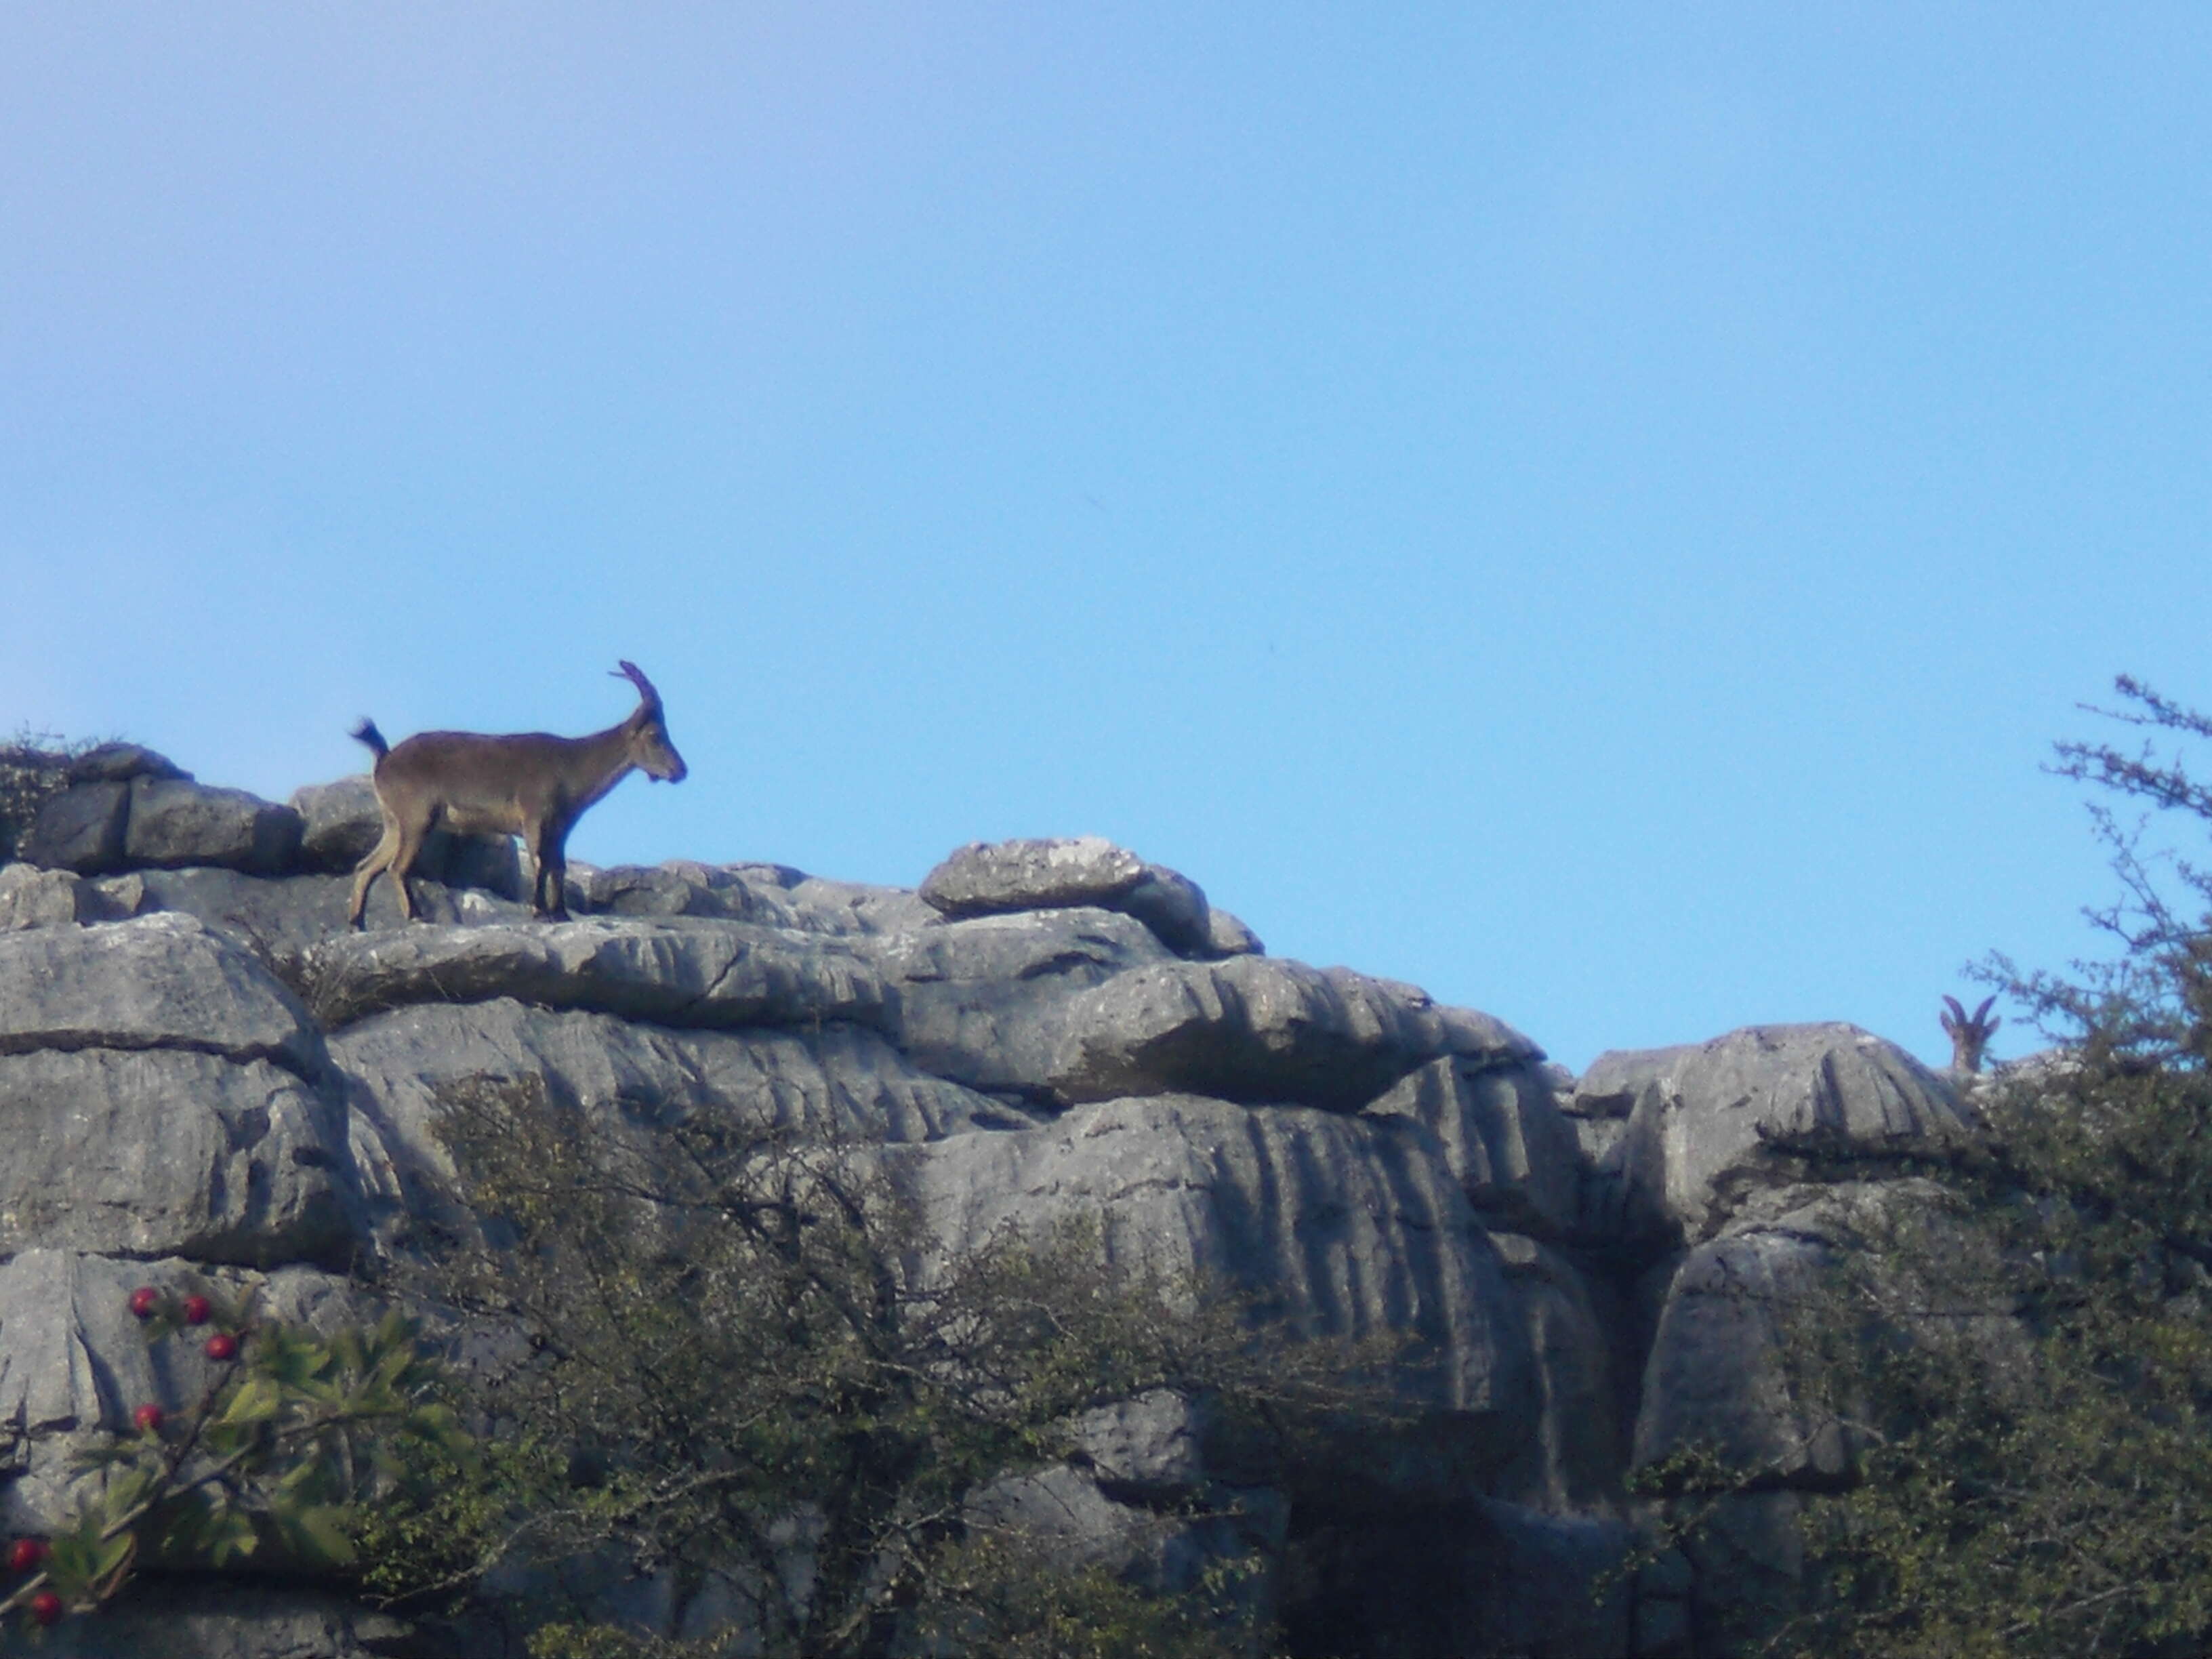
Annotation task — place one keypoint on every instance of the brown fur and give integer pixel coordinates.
(531, 784)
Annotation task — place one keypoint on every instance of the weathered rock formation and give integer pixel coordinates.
(1045, 1030)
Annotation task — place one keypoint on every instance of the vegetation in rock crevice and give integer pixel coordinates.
(2017, 1345)
(740, 1362)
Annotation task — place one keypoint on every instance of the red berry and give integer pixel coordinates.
(25, 1554)
(223, 1345)
(45, 1608)
(196, 1309)
(149, 1419)
(145, 1302)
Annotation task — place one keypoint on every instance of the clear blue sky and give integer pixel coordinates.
(1597, 510)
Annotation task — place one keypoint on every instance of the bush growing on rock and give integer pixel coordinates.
(2021, 1360)
(746, 1364)
(292, 1435)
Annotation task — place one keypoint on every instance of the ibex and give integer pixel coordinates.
(1969, 1036)
(531, 784)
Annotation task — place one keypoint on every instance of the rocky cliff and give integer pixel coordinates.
(1044, 1028)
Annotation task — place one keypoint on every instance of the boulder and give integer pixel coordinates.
(1708, 1122)
(1225, 936)
(82, 829)
(161, 982)
(120, 762)
(173, 821)
(1349, 1228)
(1063, 1509)
(1258, 1030)
(1503, 1137)
(841, 1081)
(281, 921)
(168, 1152)
(991, 878)
(32, 897)
(672, 971)
(1718, 1376)
(846, 907)
(680, 888)
(984, 1001)
(1574, 1463)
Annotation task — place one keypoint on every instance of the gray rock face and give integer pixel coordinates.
(285, 920)
(1355, 1227)
(683, 972)
(1508, 1143)
(1258, 1030)
(81, 829)
(32, 897)
(984, 1001)
(1716, 1377)
(163, 1153)
(1573, 1462)
(1586, 1274)
(838, 1083)
(1703, 1121)
(120, 762)
(985, 878)
(73, 1361)
(164, 981)
(172, 822)
(684, 888)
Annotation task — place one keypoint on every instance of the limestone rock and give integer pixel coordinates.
(989, 878)
(173, 821)
(167, 1152)
(1153, 1447)
(847, 907)
(672, 971)
(1709, 1121)
(1258, 1030)
(212, 1619)
(838, 1083)
(1225, 936)
(1574, 1461)
(161, 982)
(1063, 1508)
(680, 889)
(82, 829)
(73, 1361)
(1503, 1137)
(120, 762)
(32, 897)
(1351, 1227)
(984, 1001)
(282, 920)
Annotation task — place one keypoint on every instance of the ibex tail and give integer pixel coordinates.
(366, 732)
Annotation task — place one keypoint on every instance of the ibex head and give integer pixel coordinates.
(650, 751)
(1969, 1034)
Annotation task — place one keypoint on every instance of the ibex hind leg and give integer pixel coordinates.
(378, 859)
